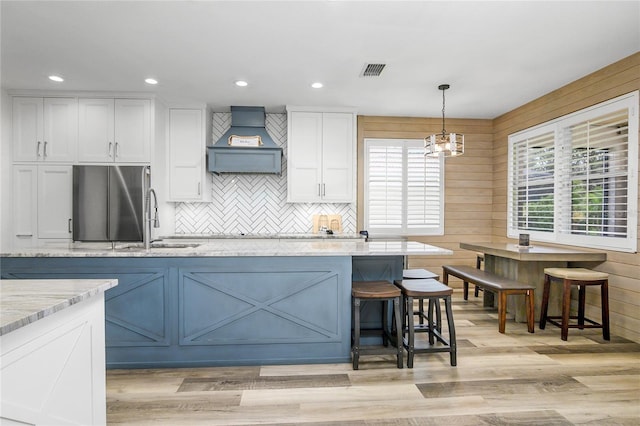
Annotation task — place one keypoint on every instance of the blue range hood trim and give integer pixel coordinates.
(267, 158)
(244, 160)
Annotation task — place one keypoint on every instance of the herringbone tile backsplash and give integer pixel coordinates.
(255, 204)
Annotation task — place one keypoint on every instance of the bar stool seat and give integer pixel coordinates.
(420, 274)
(384, 292)
(582, 278)
(434, 291)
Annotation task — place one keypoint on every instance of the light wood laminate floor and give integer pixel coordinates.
(515, 378)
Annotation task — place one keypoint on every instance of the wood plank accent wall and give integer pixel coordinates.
(468, 182)
(476, 183)
(624, 268)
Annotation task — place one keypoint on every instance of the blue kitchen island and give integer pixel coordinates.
(224, 301)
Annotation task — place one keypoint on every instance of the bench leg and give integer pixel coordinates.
(502, 311)
(529, 296)
(466, 289)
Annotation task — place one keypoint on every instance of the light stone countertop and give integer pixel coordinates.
(23, 302)
(241, 248)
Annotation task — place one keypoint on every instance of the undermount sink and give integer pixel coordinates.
(160, 245)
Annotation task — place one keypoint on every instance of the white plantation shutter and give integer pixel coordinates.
(424, 194)
(385, 187)
(403, 189)
(597, 204)
(532, 173)
(574, 180)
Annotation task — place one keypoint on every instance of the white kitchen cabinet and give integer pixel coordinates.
(114, 130)
(25, 205)
(42, 208)
(186, 154)
(45, 129)
(321, 155)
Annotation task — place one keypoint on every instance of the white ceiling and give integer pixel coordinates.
(495, 55)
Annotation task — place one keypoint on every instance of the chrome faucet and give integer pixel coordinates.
(148, 219)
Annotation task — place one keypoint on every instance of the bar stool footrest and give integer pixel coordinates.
(557, 321)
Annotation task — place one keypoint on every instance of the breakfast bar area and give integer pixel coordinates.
(225, 301)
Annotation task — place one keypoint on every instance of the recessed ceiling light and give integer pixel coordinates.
(151, 81)
(317, 85)
(56, 78)
(241, 83)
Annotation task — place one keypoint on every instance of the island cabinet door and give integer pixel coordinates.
(136, 310)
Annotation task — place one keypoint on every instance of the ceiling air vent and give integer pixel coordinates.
(372, 70)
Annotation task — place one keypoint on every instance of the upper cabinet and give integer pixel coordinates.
(45, 129)
(186, 154)
(114, 130)
(321, 155)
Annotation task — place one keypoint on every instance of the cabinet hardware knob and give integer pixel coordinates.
(110, 146)
(38, 149)
(45, 148)
(69, 226)
(24, 235)
(324, 190)
(198, 188)
(319, 193)
(116, 150)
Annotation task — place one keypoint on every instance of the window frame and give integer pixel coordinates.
(404, 229)
(563, 182)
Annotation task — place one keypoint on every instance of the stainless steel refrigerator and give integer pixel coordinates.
(108, 203)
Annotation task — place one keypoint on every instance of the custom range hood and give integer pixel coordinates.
(246, 147)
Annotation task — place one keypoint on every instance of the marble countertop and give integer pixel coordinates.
(242, 247)
(23, 302)
(275, 236)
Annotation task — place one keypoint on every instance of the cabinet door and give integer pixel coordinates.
(95, 123)
(55, 189)
(25, 205)
(27, 129)
(338, 143)
(305, 157)
(60, 129)
(132, 130)
(186, 154)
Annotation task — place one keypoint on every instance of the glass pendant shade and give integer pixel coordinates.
(444, 144)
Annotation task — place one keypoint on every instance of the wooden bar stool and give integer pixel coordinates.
(582, 278)
(421, 274)
(434, 291)
(385, 292)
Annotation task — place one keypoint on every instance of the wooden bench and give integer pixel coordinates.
(502, 286)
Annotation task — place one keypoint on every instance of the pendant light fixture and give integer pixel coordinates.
(444, 144)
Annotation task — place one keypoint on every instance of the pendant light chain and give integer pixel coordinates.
(443, 130)
(447, 145)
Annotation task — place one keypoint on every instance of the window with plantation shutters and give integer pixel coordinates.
(532, 165)
(575, 180)
(403, 189)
